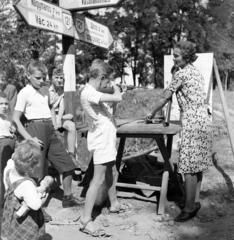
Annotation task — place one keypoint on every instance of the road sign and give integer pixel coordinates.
(87, 4)
(38, 13)
(92, 32)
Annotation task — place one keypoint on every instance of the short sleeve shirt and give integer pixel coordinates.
(95, 110)
(5, 128)
(54, 97)
(32, 103)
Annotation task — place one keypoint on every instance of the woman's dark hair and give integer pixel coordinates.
(188, 50)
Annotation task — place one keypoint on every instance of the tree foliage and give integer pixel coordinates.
(146, 29)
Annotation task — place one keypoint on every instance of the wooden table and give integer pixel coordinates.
(139, 129)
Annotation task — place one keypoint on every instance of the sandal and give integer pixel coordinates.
(122, 208)
(96, 233)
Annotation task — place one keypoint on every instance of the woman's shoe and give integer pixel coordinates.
(184, 216)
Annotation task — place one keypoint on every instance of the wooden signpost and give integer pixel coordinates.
(225, 107)
(81, 5)
(43, 15)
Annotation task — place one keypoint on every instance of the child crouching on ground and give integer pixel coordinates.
(20, 187)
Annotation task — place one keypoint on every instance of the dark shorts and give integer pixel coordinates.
(53, 150)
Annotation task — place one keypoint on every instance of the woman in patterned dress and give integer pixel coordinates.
(196, 136)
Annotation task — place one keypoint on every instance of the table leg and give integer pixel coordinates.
(120, 152)
(169, 144)
(164, 151)
(166, 154)
(163, 193)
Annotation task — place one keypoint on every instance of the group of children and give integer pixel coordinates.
(25, 174)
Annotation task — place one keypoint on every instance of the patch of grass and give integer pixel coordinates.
(137, 103)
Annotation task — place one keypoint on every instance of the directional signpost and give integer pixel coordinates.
(92, 32)
(59, 19)
(38, 13)
(80, 5)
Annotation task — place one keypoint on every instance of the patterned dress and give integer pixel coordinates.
(196, 135)
(29, 227)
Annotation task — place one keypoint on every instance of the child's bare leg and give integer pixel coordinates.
(71, 135)
(94, 187)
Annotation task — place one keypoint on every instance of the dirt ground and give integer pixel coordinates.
(214, 221)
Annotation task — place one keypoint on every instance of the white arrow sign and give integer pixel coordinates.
(92, 32)
(87, 4)
(38, 13)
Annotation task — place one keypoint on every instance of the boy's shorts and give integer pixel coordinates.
(102, 143)
(53, 148)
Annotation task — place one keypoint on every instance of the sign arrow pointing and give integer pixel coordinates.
(38, 13)
(43, 15)
(92, 32)
(87, 4)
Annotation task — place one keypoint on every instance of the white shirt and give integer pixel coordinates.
(5, 128)
(95, 110)
(32, 103)
(54, 97)
(26, 191)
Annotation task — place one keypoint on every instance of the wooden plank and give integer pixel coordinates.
(140, 154)
(136, 186)
(140, 129)
(134, 195)
(225, 108)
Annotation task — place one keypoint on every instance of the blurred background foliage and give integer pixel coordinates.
(144, 31)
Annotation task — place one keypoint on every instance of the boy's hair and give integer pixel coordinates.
(58, 71)
(36, 65)
(26, 157)
(98, 67)
(3, 95)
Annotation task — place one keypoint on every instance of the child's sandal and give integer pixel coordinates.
(96, 233)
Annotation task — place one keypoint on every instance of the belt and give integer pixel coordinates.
(40, 120)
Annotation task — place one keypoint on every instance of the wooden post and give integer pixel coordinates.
(163, 193)
(225, 108)
(69, 74)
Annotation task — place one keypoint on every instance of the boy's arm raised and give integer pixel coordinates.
(21, 129)
(115, 97)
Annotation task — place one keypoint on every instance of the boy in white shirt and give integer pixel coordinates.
(7, 139)
(101, 141)
(34, 104)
